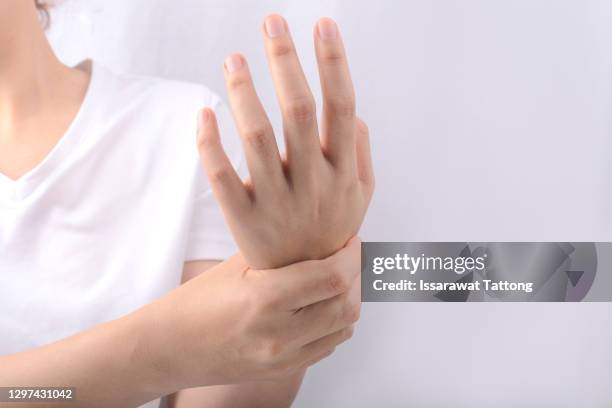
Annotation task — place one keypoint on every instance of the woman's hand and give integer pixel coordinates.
(233, 324)
(230, 324)
(309, 204)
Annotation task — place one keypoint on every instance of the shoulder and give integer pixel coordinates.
(156, 120)
(163, 96)
(156, 110)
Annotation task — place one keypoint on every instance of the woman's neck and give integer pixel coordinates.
(39, 96)
(29, 71)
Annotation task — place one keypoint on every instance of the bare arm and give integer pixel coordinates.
(304, 206)
(264, 394)
(231, 325)
(107, 366)
(250, 319)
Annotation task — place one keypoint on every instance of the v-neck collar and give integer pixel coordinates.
(17, 190)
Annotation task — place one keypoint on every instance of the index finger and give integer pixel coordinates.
(338, 94)
(294, 95)
(309, 282)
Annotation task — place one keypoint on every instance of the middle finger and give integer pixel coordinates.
(294, 95)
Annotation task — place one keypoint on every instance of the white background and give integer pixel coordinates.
(490, 120)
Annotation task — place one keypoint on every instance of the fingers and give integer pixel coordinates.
(318, 350)
(225, 182)
(365, 169)
(261, 151)
(309, 282)
(338, 95)
(322, 356)
(309, 354)
(295, 98)
(328, 316)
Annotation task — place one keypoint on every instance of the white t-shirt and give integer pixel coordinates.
(105, 223)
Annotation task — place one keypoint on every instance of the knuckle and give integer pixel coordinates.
(363, 127)
(236, 83)
(257, 138)
(356, 312)
(352, 312)
(281, 368)
(281, 49)
(220, 176)
(337, 280)
(329, 352)
(207, 140)
(325, 354)
(342, 106)
(332, 56)
(301, 110)
(349, 332)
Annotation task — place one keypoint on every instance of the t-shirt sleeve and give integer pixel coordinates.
(209, 237)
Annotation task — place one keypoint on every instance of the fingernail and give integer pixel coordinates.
(203, 118)
(327, 28)
(233, 63)
(275, 26)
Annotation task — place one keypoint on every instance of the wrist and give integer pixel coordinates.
(169, 347)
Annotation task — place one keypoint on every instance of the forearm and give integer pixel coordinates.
(124, 362)
(231, 325)
(105, 365)
(263, 394)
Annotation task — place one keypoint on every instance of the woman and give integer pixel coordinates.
(105, 212)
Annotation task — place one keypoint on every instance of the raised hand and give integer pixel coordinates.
(310, 203)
